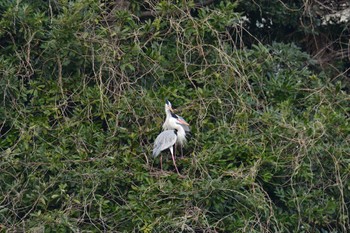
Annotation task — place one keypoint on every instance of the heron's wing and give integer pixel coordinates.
(163, 141)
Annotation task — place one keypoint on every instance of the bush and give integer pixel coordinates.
(82, 102)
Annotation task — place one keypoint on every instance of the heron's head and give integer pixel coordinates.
(180, 121)
(168, 106)
(175, 122)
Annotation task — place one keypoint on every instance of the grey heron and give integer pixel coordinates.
(168, 138)
(168, 124)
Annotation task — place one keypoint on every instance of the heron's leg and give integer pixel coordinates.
(182, 152)
(172, 155)
(161, 163)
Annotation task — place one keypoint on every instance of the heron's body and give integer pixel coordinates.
(165, 140)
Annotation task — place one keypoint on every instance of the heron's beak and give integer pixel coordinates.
(182, 122)
(169, 107)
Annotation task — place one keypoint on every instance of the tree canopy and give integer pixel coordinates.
(264, 86)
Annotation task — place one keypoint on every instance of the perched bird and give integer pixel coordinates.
(167, 125)
(168, 138)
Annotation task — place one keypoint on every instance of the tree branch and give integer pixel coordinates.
(146, 14)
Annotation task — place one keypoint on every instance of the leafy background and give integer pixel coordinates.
(83, 85)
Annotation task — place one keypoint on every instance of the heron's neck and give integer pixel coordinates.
(167, 119)
(180, 130)
(181, 134)
(168, 113)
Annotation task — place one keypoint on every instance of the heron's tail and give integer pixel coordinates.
(156, 152)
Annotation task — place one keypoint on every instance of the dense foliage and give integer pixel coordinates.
(83, 85)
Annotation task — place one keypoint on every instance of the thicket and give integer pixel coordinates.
(83, 87)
